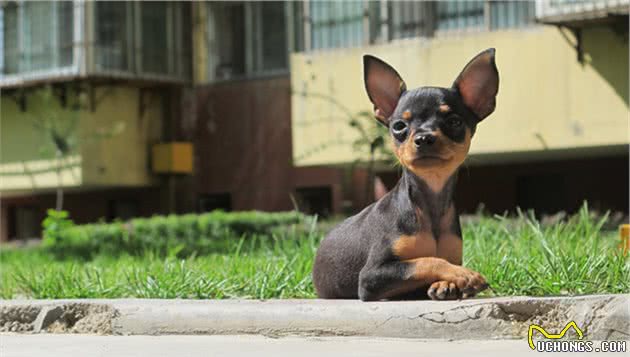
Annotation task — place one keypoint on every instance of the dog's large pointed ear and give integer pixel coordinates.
(478, 84)
(383, 85)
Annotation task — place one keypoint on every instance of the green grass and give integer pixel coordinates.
(260, 268)
(517, 256)
(522, 257)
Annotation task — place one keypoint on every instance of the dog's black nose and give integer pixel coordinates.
(424, 139)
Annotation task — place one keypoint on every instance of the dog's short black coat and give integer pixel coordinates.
(408, 244)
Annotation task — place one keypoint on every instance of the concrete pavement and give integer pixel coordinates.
(181, 346)
(599, 316)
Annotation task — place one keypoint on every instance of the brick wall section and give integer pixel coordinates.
(243, 146)
(84, 206)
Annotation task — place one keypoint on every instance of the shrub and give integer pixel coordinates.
(164, 235)
(53, 226)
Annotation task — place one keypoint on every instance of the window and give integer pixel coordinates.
(507, 14)
(112, 35)
(412, 19)
(134, 38)
(453, 15)
(36, 36)
(66, 32)
(147, 37)
(36, 27)
(227, 27)
(248, 38)
(183, 40)
(155, 41)
(165, 38)
(343, 23)
(336, 24)
(10, 49)
(273, 49)
(295, 28)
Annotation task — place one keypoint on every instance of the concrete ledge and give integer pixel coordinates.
(599, 316)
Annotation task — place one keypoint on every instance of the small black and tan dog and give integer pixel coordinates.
(408, 245)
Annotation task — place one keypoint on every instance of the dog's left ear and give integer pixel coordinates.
(478, 84)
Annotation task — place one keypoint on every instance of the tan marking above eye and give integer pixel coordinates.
(444, 108)
(406, 115)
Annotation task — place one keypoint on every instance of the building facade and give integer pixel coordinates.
(138, 108)
(87, 89)
(559, 135)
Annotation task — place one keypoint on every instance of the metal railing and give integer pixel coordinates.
(579, 9)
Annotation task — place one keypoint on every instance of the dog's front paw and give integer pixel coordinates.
(457, 283)
(443, 290)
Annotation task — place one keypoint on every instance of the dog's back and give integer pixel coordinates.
(344, 252)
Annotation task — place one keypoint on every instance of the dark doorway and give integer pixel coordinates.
(122, 209)
(24, 222)
(222, 201)
(315, 200)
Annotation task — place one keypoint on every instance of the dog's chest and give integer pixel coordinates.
(424, 243)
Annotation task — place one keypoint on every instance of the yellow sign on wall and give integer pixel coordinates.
(173, 158)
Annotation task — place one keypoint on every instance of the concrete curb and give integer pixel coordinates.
(599, 316)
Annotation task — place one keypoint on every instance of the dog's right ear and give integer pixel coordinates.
(383, 85)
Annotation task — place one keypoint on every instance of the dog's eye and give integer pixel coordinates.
(454, 122)
(399, 127)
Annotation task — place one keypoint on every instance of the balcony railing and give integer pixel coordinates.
(580, 12)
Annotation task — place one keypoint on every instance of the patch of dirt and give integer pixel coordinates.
(84, 318)
(18, 318)
(523, 313)
(75, 318)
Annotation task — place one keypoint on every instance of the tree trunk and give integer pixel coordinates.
(59, 203)
(369, 190)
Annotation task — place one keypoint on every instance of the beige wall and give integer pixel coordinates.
(122, 157)
(547, 99)
(110, 144)
(27, 155)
